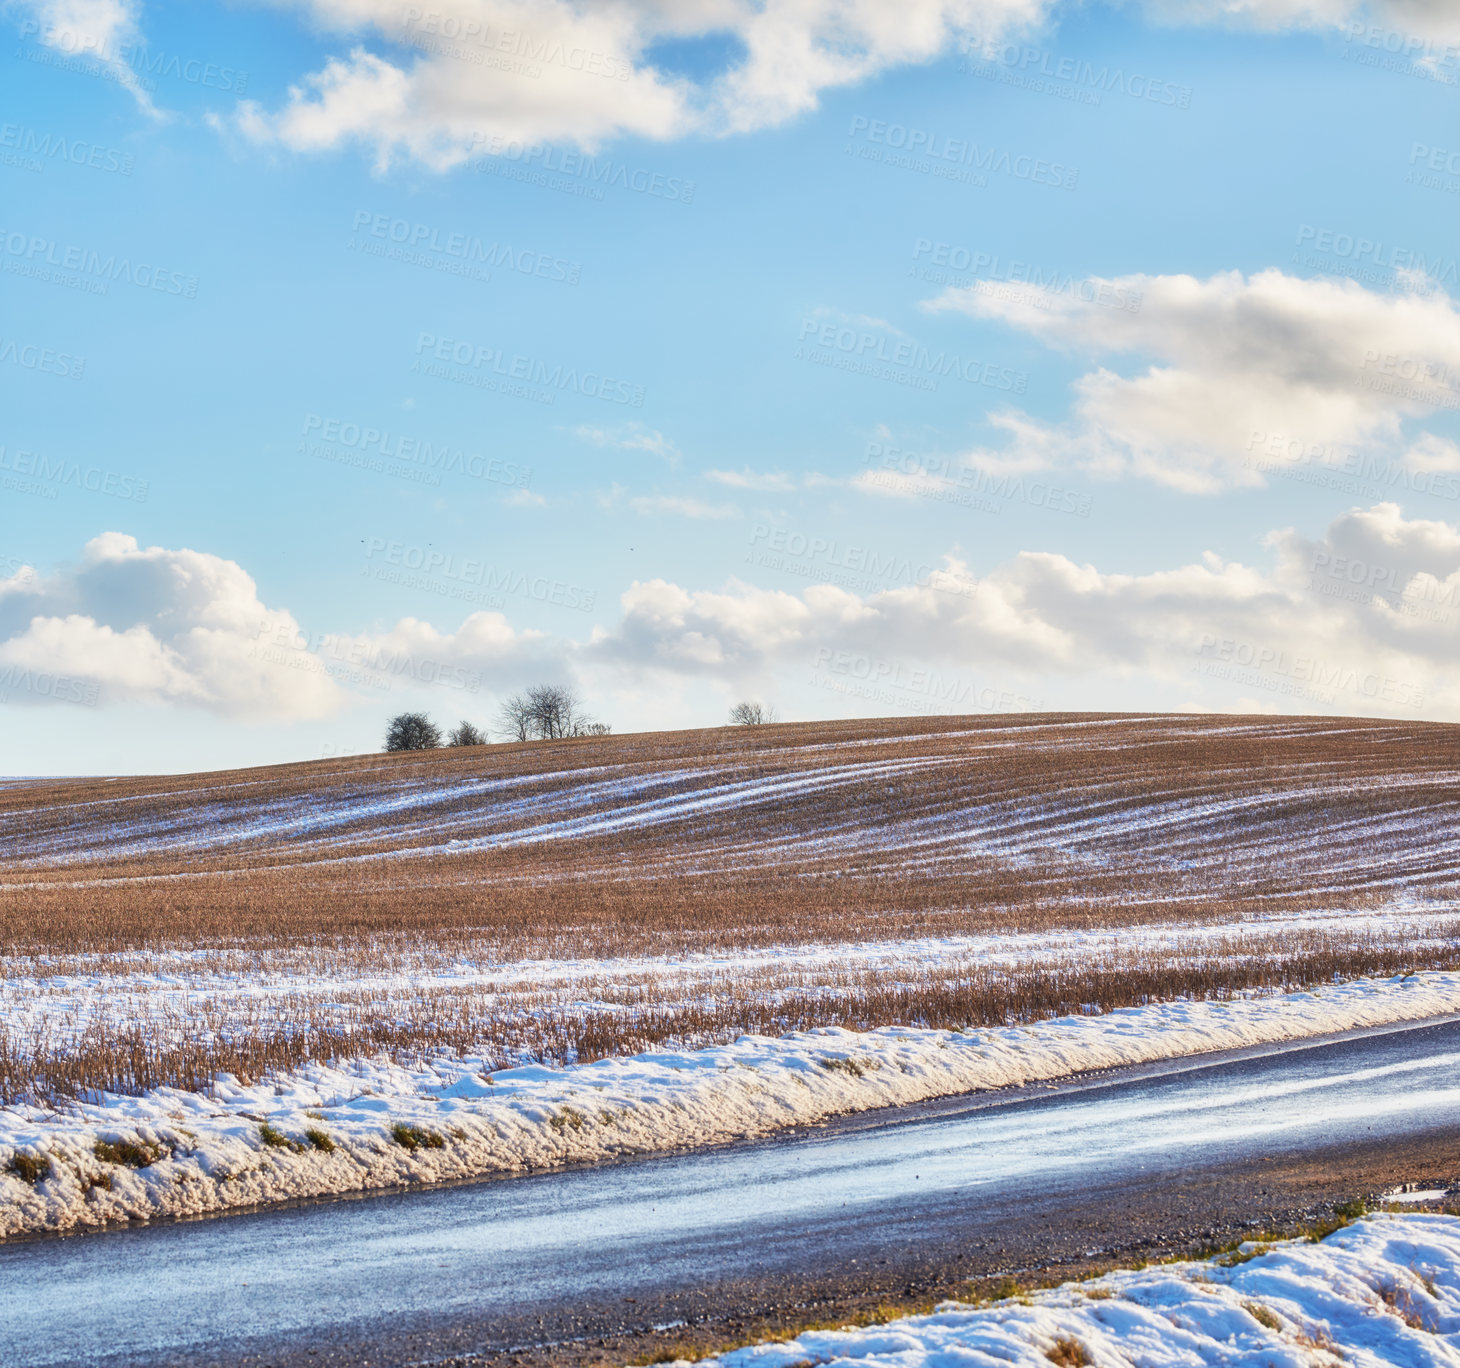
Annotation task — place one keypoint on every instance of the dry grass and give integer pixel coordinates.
(390, 867)
(577, 1023)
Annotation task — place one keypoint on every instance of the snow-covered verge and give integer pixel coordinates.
(1383, 1291)
(373, 1123)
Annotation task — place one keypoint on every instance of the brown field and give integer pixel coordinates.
(348, 885)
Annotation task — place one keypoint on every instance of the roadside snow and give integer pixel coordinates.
(378, 1123)
(1383, 1291)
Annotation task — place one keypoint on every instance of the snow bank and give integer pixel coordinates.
(1384, 1291)
(372, 1123)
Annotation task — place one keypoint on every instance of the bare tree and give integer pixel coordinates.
(514, 718)
(752, 714)
(557, 711)
(547, 712)
(412, 731)
(467, 735)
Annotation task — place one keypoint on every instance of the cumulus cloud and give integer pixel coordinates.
(1236, 366)
(484, 654)
(441, 83)
(160, 626)
(444, 82)
(1359, 619)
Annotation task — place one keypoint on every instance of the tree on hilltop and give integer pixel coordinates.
(410, 731)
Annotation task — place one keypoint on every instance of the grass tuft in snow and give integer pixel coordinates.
(1263, 1315)
(29, 1168)
(133, 1153)
(276, 1139)
(416, 1137)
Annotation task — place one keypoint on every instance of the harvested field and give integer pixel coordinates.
(567, 901)
(685, 842)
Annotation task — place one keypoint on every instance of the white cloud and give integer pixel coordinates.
(439, 84)
(162, 626)
(1361, 619)
(1236, 364)
(525, 498)
(1437, 21)
(477, 76)
(677, 506)
(101, 31)
(631, 437)
(769, 481)
(486, 653)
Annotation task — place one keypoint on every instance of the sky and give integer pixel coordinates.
(958, 356)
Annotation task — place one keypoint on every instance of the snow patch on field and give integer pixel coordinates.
(375, 1123)
(1383, 1291)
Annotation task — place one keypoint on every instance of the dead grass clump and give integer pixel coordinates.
(1068, 1352)
(1265, 1316)
(1404, 1303)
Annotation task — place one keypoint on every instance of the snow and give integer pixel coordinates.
(383, 1123)
(190, 994)
(1382, 1291)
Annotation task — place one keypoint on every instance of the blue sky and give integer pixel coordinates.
(1056, 356)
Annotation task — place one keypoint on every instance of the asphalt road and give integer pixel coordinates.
(583, 1265)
